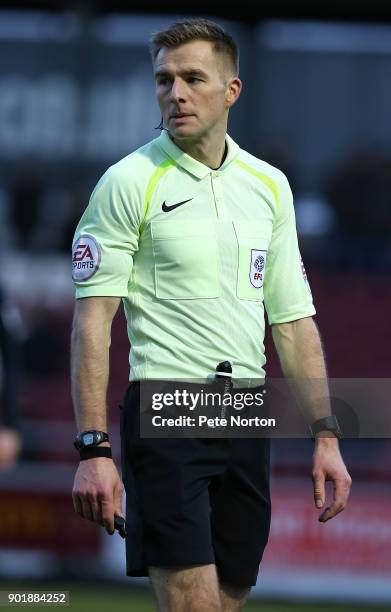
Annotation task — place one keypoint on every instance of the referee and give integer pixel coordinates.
(196, 236)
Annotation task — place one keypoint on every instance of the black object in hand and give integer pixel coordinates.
(119, 525)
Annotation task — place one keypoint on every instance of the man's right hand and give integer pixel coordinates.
(97, 492)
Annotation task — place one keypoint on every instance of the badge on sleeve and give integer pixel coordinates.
(304, 273)
(86, 255)
(257, 267)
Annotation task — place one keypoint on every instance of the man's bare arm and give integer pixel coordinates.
(90, 344)
(302, 360)
(97, 491)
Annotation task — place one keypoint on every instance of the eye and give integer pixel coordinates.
(162, 81)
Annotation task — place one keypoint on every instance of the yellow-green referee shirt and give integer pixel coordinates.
(195, 254)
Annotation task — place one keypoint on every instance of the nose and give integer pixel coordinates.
(178, 91)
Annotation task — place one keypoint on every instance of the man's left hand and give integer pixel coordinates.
(327, 464)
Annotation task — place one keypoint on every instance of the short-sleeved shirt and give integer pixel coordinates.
(195, 253)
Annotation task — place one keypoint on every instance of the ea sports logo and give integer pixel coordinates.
(259, 263)
(82, 252)
(86, 254)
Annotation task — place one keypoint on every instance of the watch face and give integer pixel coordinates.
(88, 439)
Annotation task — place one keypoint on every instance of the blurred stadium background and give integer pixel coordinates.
(77, 94)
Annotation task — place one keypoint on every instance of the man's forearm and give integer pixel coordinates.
(90, 345)
(90, 368)
(300, 350)
(302, 360)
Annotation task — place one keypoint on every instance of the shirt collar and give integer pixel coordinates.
(189, 163)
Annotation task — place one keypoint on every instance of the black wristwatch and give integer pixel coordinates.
(90, 438)
(329, 423)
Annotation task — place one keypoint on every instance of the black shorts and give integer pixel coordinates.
(194, 501)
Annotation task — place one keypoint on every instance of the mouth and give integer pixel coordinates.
(180, 115)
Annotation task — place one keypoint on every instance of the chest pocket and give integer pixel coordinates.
(185, 259)
(253, 243)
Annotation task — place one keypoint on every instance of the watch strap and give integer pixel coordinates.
(328, 423)
(101, 436)
(95, 451)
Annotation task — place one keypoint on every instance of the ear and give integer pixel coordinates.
(234, 87)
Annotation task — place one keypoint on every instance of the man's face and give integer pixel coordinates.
(193, 88)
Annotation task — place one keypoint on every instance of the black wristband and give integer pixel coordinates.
(95, 451)
(90, 437)
(329, 423)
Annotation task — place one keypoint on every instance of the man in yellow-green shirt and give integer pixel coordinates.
(196, 236)
(179, 240)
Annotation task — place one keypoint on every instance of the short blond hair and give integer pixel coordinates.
(182, 32)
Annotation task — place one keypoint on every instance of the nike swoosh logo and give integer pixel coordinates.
(166, 208)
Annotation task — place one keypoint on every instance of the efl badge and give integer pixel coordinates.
(86, 256)
(257, 267)
(304, 273)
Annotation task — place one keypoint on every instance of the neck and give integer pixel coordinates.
(211, 154)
